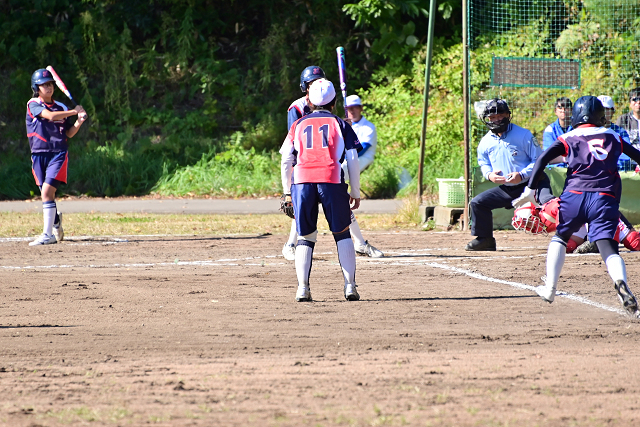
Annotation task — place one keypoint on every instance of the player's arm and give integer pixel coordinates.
(287, 151)
(292, 115)
(353, 165)
(556, 149)
(73, 130)
(631, 151)
(366, 138)
(61, 115)
(529, 194)
(484, 162)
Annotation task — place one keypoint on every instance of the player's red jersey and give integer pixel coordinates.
(319, 140)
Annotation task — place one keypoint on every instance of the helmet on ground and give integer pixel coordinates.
(493, 107)
(549, 214)
(526, 218)
(309, 74)
(587, 110)
(39, 77)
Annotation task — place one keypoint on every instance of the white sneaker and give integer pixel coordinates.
(368, 250)
(58, 232)
(44, 239)
(303, 294)
(546, 292)
(289, 252)
(350, 292)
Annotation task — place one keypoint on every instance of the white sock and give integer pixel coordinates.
(347, 258)
(555, 260)
(304, 258)
(356, 234)
(616, 268)
(293, 234)
(49, 215)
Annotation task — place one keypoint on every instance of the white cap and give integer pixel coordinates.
(353, 100)
(321, 92)
(607, 101)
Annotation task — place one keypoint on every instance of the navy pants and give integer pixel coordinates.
(483, 204)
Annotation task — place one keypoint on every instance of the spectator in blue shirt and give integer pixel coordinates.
(609, 110)
(506, 155)
(563, 107)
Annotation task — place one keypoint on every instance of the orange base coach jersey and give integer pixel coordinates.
(319, 142)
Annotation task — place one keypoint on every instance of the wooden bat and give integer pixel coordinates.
(61, 85)
(342, 70)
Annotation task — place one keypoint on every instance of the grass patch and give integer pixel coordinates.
(113, 224)
(85, 414)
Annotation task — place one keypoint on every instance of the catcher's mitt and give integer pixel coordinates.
(286, 206)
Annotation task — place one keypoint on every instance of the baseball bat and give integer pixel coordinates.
(61, 85)
(342, 70)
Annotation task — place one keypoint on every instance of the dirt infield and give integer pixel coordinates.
(203, 331)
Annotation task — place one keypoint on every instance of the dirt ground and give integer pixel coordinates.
(203, 331)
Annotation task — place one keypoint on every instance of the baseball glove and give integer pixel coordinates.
(286, 206)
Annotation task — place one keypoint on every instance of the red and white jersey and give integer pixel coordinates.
(319, 142)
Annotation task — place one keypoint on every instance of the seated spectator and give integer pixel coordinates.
(563, 108)
(631, 121)
(609, 109)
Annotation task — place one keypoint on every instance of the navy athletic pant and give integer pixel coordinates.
(482, 205)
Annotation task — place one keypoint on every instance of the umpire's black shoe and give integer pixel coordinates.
(481, 244)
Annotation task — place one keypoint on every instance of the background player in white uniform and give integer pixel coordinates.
(316, 144)
(368, 137)
(300, 108)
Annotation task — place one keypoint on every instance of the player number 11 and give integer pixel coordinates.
(323, 130)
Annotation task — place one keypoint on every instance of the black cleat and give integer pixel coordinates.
(627, 299)
(481, 244)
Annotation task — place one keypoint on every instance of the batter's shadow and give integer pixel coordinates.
(35, 326)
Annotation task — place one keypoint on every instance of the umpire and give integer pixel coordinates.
(506, 155)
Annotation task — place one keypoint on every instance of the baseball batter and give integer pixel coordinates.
(48, 130)
(364, 129)
(311, 173)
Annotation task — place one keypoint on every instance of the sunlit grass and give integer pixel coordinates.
(114, 224)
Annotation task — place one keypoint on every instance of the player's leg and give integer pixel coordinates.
(335, 204)
(305, 205)
(362, 246)
(602, 229)
(481, 207)
(40, 163)
(570, 219)
(289, 248)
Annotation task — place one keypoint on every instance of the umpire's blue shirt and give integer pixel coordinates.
(516, 150)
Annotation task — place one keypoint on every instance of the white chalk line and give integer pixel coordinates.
(567, 295)
(236, 262)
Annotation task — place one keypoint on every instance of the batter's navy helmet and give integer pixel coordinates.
(587, 109)
(309, 74)
(39, 77)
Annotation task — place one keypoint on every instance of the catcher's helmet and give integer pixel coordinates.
(587, 110)
(309, 74)
(496, 106)
(526, 219)
(549, 214)
(39, 77)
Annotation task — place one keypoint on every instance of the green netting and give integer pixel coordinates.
(518, 48)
